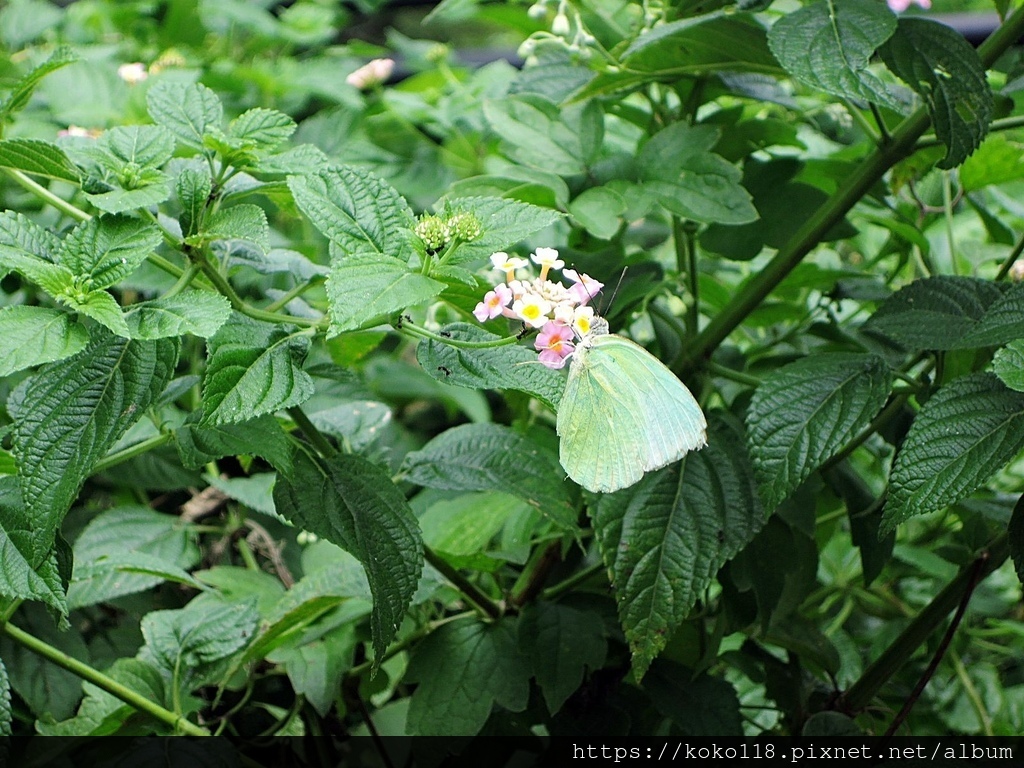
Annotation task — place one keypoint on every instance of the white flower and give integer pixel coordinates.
(132, 73)
(582, 319)
(508, 265)
(548, 259)
(372, 73)
(532, 310)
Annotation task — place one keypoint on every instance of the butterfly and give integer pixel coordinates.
(623, 413)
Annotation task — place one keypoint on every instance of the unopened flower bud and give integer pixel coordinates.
(432, 231)
(560, 25)
(537, 11)
(1017, 271)
(465, 226)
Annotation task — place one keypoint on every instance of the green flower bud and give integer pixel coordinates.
(465, 226)
(432, 231)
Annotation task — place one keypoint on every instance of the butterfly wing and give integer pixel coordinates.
(623, 413)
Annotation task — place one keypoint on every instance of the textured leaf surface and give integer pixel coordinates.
(946, 312)
(122, 200)
(1009, 365)
(20, 234)
(193, 188)
(665, 538)
(262, 436)
(253, 370)
(537, 137)
(508, 367)
(366, 288)
(240, 222)
(23, 88)
(145, 145)
(352, 503)
(963, 435)
(69, 415)
(265, 128)
(1015, 531)
(107, 249)
(828, 44)
(186, 110)
(6, 715)
(463, 670)
(678, 167)
(561, 643)
(945, 70)
(698, 706)
(26, 571)
(40, 158)
(32, 336)
(356, 210)
(200, 313)
(490, 457)
(505, 222)
(803, 413)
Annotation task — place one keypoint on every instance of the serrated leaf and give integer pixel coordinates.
(106, 554)
(366, 288)
(537, 137)
(193, 188)
(23, 88)
(27, 571)
(6, 714)
(68, 416)
(122, 200)
(679, 169)
(965, 433)
(506, 367)
(698, 706)
(186, 110)
(302, 159)
(254, 369)
(504, 222)
(805, 412)
(40, 158)
(100, 306)
(997, 161)
(19, 233)
(665, 538)
(490, 457)
(702, 44)
(945, 70)
(829, 43)
(145, 145)
(1015, 533)
(599, 210)
(315, 669)
(463, 669)
(265, 128)
(107, 249)
(263, 437)
(561, 642)
(31, 336)
(239, 222)
(356, 210)
(352, 503)
(1008, 364)
(200, 313)
(944, 312)
(359, 422)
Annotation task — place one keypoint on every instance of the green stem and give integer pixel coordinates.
(572, 582)
(1011, 259)
(418, 331)
(865, 125)
(100, 680)
(221, 284)
(401, 645)
(314, 435)
(183, 282)
(1003, 124)
(894, 407)
(860, 694)
(294, 293)
(728, 373)
(855, 186)
(144, 446)
(466, 587)
(686, 263)
(947, 205)
(47, 196)
(883, 129)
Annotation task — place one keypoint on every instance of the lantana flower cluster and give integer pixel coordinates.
(558, 311)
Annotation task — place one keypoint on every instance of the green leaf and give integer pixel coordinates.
(23, 88)
(561, 642)
(359, 422)
(678, 167)
(240, 222)
(536, 134)
(6, 714)
(253, 369)
(490, 457)
(463, 669)
(68, 416)
(665, 538)
(505, 222)
(100, 306)
(105, 553)
(949, 312)
(997, 161)
(122, 200)
(18, 233)
(829, 43)
(193, 188)
(265, 128)
(200, 313)
(1015, 532)
(27, 572)
(945, 70)
(698, 706)
(353, 503)
(148, 146)
(599, 210)
(315, 669)
(365, 288)
(35, 335)
(357, 211)
(40, 158)
(262, 436)
(963, 435)
(507, 367)
(1008, 365)
(805, 412)
(186, 110)
(106, 249)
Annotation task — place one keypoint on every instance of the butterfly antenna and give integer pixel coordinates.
(622, 276)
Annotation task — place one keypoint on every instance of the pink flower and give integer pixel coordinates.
(372, 73)
(493, 304)
(583, 287)
(555, 344)
(898, 6)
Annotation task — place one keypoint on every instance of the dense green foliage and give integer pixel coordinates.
(264, 471)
